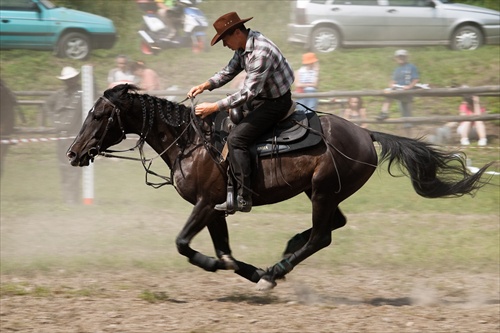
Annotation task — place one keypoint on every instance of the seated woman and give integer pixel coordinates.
(355, 111)
(148, 78)
(470, 106)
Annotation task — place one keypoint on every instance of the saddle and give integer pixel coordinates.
(298, 130)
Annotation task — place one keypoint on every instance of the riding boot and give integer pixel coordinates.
(242, 171)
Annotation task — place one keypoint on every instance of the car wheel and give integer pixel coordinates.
(466, 37)
(324, 40)
(74, 45)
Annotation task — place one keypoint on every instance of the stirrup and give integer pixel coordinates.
(242, 205)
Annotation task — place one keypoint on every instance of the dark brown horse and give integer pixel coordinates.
(328, 173)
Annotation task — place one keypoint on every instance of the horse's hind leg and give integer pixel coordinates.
(325, 217)
(300, 239)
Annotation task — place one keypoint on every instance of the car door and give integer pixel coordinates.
(415, 21)
(358, 20)
(22, 25)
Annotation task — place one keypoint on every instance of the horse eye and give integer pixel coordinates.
(98, 114)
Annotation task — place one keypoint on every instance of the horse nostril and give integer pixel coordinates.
(70, 154)
(93, 152)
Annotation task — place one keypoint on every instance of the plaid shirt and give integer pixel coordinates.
(268, 73)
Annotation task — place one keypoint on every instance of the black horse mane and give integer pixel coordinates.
(174, 114)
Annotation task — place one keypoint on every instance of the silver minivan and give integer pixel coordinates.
(326, 25)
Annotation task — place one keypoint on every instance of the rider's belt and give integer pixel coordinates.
(285, 95)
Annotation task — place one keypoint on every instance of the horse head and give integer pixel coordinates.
(103, 127)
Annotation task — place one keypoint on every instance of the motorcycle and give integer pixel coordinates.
(189, 28)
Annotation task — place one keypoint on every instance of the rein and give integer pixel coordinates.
(147, 163)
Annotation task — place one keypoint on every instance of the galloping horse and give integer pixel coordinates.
(327, 173)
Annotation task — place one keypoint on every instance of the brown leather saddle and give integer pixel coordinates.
(298, 130)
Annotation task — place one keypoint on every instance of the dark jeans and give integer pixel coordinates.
(255, 124)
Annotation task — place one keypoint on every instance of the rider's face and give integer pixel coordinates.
(232, 41)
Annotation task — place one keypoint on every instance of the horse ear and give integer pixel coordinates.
(124, 90)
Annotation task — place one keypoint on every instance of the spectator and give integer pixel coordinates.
(120, 74)
(307, 81)
(404, 77)
(167, 12)
(147, 78)
(355, 110)
(469, 107)
(65, 109)
(7, 104)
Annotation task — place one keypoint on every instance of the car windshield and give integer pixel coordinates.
(47, 4)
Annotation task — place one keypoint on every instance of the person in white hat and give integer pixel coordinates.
(266, 89)
(404, 77)
(64, 107)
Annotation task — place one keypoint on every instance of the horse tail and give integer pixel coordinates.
(433, 173)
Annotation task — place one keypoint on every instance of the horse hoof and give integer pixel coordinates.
(229, 262)
(264, 285)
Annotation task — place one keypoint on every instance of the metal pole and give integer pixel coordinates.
(87, 102)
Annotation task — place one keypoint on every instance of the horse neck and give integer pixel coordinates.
(164, 125)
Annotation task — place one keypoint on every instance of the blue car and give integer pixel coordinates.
(41, 25)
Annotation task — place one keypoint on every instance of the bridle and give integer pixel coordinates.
(147, 163)
(94, 151)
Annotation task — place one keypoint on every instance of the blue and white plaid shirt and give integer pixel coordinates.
(269, 75)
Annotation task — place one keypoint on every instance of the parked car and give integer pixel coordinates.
(41, 25)
(326, 25)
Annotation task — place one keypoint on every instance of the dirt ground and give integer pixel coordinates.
(310, 300)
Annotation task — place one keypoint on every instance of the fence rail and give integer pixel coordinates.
(329, 95)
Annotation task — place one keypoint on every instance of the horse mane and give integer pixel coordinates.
(172, 113)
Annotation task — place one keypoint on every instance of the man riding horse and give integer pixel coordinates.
(266, 91)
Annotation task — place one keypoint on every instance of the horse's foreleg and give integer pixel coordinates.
(201, 216)
(220, 237)
(217, 227)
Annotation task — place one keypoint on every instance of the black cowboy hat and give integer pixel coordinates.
(224, 23)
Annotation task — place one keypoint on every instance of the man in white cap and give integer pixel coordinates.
(65, 109)
(265, 90)
(404, 77)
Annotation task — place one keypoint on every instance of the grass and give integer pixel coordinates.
(346, 69)
(132, 226)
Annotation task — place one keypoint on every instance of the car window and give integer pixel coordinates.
(319, 2)
(47, 4)
(409, 3)
(357, 2)
(18, 5)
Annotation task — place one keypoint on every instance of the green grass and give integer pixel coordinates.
(132, 226)
(346, 69)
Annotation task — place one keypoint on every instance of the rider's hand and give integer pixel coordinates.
(203, 110)
(196, 90)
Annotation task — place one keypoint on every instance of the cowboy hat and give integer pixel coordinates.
(401, 53)
(68, 73)
(225, 23)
